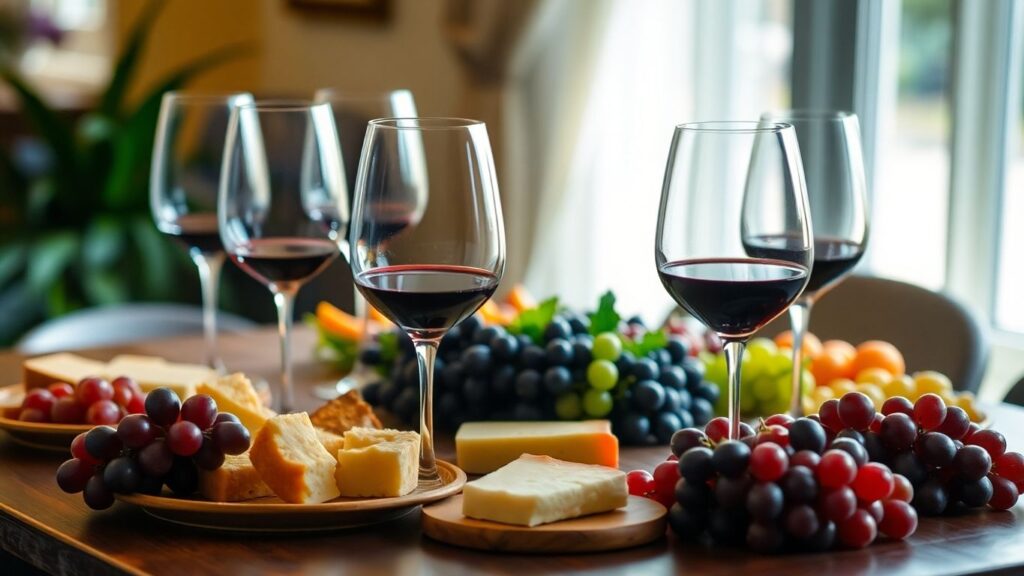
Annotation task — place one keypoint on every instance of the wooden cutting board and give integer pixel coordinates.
(642, 521)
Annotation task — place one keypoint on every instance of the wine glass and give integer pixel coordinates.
(185, 173)
(725, 184)
(403, 205)
(834, 170)
(283, 203)
(434, 275)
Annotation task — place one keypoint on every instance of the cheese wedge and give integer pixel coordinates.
(234, 393)
(290, 459)
(537, 490)
(235, 481)
(387, 469)
(359, 437)
(483, 447)
(41, 371)
(152, 372)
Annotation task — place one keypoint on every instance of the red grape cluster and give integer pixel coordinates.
(93, 401)
(950, 461)
(166, 445)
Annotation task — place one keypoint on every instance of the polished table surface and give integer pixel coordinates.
(57, 533)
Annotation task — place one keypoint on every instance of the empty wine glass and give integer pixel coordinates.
(188, 153)
(283, 203)
(430, 277)
(403, 205)
(834, 169)
(727, 183)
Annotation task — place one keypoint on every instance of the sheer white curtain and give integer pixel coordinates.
(643, 68)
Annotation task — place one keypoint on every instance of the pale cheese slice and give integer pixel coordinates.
(41, 371)
(537, 490)
(387, 469)
(483, 447)
(234, 393)
(153, 372)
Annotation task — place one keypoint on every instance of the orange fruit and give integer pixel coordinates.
(811, 348)
(879, 354)
(839, 347)
(339, 322)
(520, 298)
(378, 317)
(832, 363)
(491, 312)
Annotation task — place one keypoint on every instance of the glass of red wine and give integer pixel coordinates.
(727, 183)
(184, 177)
(283, 203)
(402, 205)
(429, 277)
(836, 191)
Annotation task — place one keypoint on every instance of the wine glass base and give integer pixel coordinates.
(360, 376)
(429, 480)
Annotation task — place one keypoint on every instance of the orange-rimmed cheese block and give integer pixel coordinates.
(483, 447)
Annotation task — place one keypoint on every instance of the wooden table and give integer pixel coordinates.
(57, 533)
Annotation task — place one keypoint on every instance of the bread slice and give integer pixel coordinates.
(152, 372)
(331, 441)
(344, 413)
(41, 371)
(235, 481)
(235, 394)
(293, 462)
(387, 469)
(363, 437)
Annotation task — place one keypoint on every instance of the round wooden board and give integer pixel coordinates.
(273, 515)
(642, 521)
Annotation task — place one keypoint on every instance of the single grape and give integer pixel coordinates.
(597, 403)
(673, 377)
(717, 429)
(975, 493)
(568, 406)
(801, 521)
(902, 488)
(229, 417)
(96, 495)
(137, 405)
(664, 425)
(702, 411)
(92, 390)
(688, 438)
(784, 420)
(557, 380)
(765, 501)
(823, 539)
(78, 450)
(102, 443)
(666, 474)
(231, 438)
(694, 496)
(602, 374)
(477, 359)
(67, 410)
(910, 466)
(123, 396)
(764, 538)
(899, 519)
(876, 422)
(856, 410)
(156, 459)
(877, 452)
(931, 498)
(731, 458)
(558, 352)
(127, 383)
(829, 414)
(956, 423)
(633, 428)
(1010, 465)
(648, 395)
(935, 449)
(858, 530)
(775, 434)
(39, 399)
(504, 347)
(184, 438)
(852, 434)
(929, 411)
(837, 504)
(163, 406)
(732, 492)
(992, 441)
(805, 458)
(972, 462)
(873, 508)
(136, 431)
(200, 410)
(686, 524)
(696, 464)
(209, 456)
(73, 475)
(799, 485)
(122, 475)
(639, 482)
(837, 468)
(855, 449)
(1004, 493)
(874, 482)
(768, 462)
(897, 405)
(806, 434)
(607, 346)
(646, 369)
(61, 390)
(103, 412)
(898, 431)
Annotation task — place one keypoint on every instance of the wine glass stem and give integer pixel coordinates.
(799, 318)
(285, 301)
(426, 350)
(733, 358)
(209, 266)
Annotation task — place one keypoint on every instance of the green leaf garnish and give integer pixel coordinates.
(532, 322)
(605, 318)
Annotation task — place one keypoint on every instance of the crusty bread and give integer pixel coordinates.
(363, 437)
(331, 441)
(344, 413)
(235, 481)
(291, 460)
(41, 371)
(234, 393)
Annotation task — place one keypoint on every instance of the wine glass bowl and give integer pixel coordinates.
(429, 277)
(283, 202)
(188, 154)
(837, 197)
(726, 185)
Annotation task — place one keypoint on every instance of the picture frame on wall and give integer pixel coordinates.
(376, 10)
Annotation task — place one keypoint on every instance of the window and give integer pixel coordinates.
(1009, 306)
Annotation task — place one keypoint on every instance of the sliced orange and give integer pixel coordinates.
(521, 299)
(491, 312)
(338, 322)
(378, 317)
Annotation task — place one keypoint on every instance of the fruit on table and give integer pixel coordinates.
(166, 445)
(92, 401)
(765, 378)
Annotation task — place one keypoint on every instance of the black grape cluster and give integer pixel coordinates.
(166, 445)
(486, 373)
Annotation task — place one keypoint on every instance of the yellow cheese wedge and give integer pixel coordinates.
(387, 469)
(483, 447)
(291, 460)
(152, 372)
(362, 437)
(535, 490)
(235, 481)
(41, 371)
(234, 393)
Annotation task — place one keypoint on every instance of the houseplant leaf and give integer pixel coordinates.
(49, 257)
(110, 104)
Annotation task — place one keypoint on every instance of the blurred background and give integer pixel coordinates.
(580, 98)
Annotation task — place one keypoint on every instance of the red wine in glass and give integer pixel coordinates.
(196, 232)
(283, 261)
(833, 257)
(427, 300)
(734, 297)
